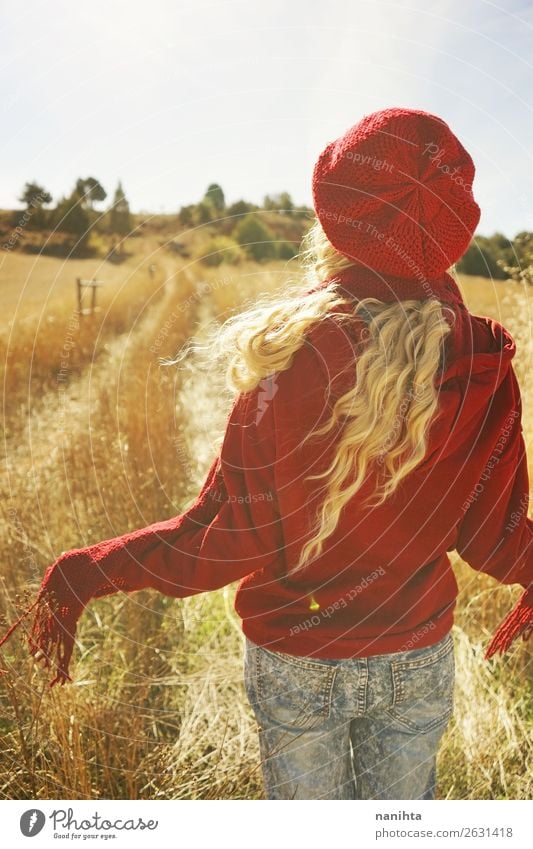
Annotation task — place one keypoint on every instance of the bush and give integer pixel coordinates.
(220, 249)
(256, 238)
(186, 215)
(205, 212)
(70, 216)
(240, 208)
(281, 203)
(287, 250)
(483, 254)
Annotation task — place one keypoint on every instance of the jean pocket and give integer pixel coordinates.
(423, 687)
(291, 690)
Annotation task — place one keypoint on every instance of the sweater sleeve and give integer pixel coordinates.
(495, 535)
(230, 530)
(244, 533)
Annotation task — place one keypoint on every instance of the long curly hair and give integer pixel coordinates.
(385, 417)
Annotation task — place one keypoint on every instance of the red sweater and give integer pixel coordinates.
(384, 581)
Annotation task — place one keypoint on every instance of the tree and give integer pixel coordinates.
(215, 194)
(35, 197)
(240, 208)
(205, 212)
(286, 249)
(285, 203)
(186, 215)
(120, 216)
(70, 216)
(279, 203)
(520, 266)
(256, 238)
(303, 212)
(481, 257)
(91, 190)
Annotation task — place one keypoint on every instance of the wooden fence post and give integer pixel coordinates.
(92, 284)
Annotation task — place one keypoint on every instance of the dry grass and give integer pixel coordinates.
(158, 708)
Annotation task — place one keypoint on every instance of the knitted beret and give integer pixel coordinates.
(394, 194)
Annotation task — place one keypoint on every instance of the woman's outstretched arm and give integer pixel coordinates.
(229, 531)
(495, 535)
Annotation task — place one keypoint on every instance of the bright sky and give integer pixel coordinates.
(171, 95)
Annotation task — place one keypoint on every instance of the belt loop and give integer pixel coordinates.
(362, 693)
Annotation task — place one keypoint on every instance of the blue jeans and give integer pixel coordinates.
(357, 728)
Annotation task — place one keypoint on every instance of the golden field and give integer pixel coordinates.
(100, 439)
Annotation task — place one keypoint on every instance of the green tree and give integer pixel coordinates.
(240, 208)
(205, 212)
(303, 212)
(481, 257)
(91, 190)
(285, 203)
(186, 215)
(120, 215)
(286, 249)
(215, 194)
(34, 196)
(70, 216)
(280, 203)
(520, 266)
(256, 238)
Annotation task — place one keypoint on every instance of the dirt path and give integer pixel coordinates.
(39, 437)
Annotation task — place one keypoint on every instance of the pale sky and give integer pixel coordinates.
(171, 95)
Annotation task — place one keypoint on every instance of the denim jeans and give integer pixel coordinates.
(357, 728)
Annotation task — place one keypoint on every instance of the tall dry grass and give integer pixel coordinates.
(158, 708)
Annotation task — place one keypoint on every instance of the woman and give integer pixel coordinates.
(376, 426)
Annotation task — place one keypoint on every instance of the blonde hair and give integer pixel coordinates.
(385, 417)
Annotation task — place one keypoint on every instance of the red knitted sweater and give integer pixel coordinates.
(384, 582)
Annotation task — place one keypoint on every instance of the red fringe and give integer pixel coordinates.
(13, 627)
(519, 622)
(52, 634)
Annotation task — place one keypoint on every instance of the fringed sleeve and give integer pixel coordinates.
(496, 536)
(211, 544)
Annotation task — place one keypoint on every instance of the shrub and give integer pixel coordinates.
(482, 255)
(287, 250)
(205, 212)
(240, 208)
(256, 238)
(220, 249)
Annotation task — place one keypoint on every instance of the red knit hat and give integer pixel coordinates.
(394, 193)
